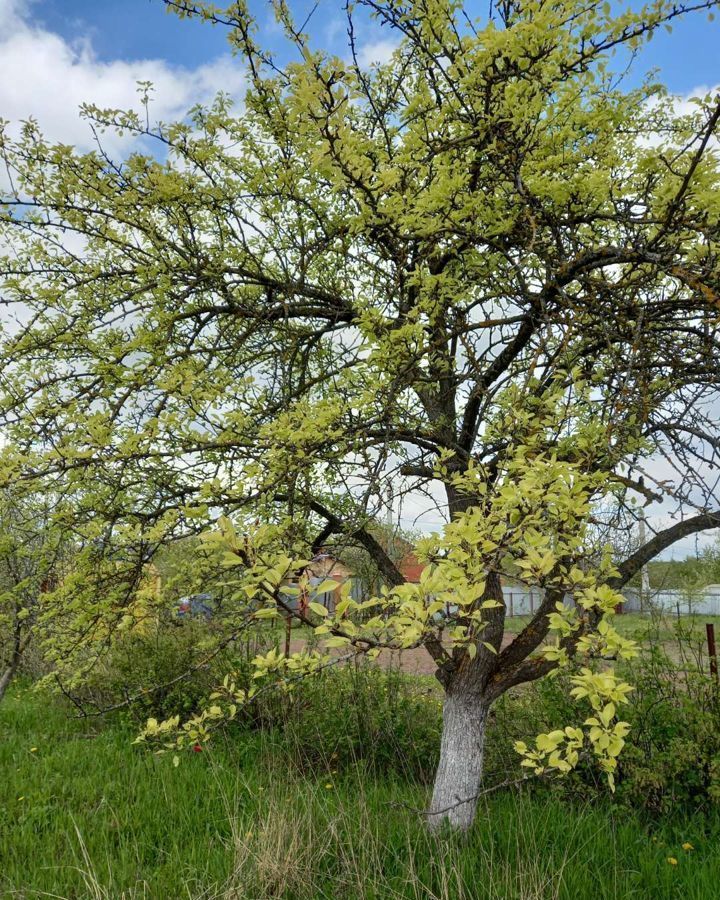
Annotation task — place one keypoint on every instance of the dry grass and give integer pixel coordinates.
(301, 846)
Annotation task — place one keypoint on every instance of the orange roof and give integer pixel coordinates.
(411, 568)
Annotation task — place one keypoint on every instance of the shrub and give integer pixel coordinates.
(360, 715)
(671, 761)
(163, 672)
(672, 758)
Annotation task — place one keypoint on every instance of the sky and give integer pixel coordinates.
(57, 54)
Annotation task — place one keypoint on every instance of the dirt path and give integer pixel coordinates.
(414, 662)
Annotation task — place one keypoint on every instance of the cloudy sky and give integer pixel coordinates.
(57, 54)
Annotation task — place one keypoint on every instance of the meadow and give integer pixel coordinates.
(86, 814)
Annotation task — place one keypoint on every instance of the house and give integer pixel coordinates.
(520, 599)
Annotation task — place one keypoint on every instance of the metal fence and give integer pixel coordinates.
(520, 602)
(704, 601)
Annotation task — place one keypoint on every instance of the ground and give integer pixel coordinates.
(85, 814)
(632, 625)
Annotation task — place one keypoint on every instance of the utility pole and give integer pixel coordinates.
(389, 522)
(644, 573)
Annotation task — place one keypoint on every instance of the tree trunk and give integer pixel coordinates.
(457, 781)
(6, 678)
(18, 648)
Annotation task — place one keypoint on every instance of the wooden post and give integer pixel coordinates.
(288, 627)
(712, 652)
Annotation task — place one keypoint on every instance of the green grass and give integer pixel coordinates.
(86, 814)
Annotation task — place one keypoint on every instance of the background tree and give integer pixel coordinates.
(33, 552)
(484, 268)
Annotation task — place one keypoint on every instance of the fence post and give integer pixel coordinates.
(288, 632)
(712, 652)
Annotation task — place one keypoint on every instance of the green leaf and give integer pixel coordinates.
(318, 608)
(325, 587)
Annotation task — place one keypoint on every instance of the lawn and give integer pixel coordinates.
(87, 814)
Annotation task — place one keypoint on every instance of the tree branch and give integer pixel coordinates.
(661, 541)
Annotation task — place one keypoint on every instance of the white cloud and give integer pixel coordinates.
(376, 52)
(10, 12)
(44, 76)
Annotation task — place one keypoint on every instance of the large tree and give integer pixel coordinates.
(485, 271)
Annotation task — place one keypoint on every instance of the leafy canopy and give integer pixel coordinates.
(484, 270)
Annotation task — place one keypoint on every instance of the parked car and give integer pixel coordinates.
(195, 605)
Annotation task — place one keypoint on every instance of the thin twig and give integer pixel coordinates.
(510, 782)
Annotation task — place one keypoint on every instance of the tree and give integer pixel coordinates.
(485, 268)
(32, 551)
(693, 572)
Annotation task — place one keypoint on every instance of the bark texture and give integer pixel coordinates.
(19, 646)
(459, 773)
(6, 678)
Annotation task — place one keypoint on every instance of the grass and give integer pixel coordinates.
(84, 814)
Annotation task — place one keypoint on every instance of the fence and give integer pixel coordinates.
(704, 601)
(520, 602)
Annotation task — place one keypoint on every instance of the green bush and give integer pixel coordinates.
(165, 671)
(360, 715)
(671, 760)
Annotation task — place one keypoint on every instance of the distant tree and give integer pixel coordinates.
(710, 564)
(484, 270)
(693, 572)
(32, 552)
(397, 543)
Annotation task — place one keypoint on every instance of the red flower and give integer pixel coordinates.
(197, 748)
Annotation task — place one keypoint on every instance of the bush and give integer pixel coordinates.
(671, 760)
(162, 672)
(355, 715)
(359, 715)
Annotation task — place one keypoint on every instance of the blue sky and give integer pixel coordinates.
(57, 54)
(137, 29)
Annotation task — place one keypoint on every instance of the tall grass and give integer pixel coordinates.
(87, 815)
